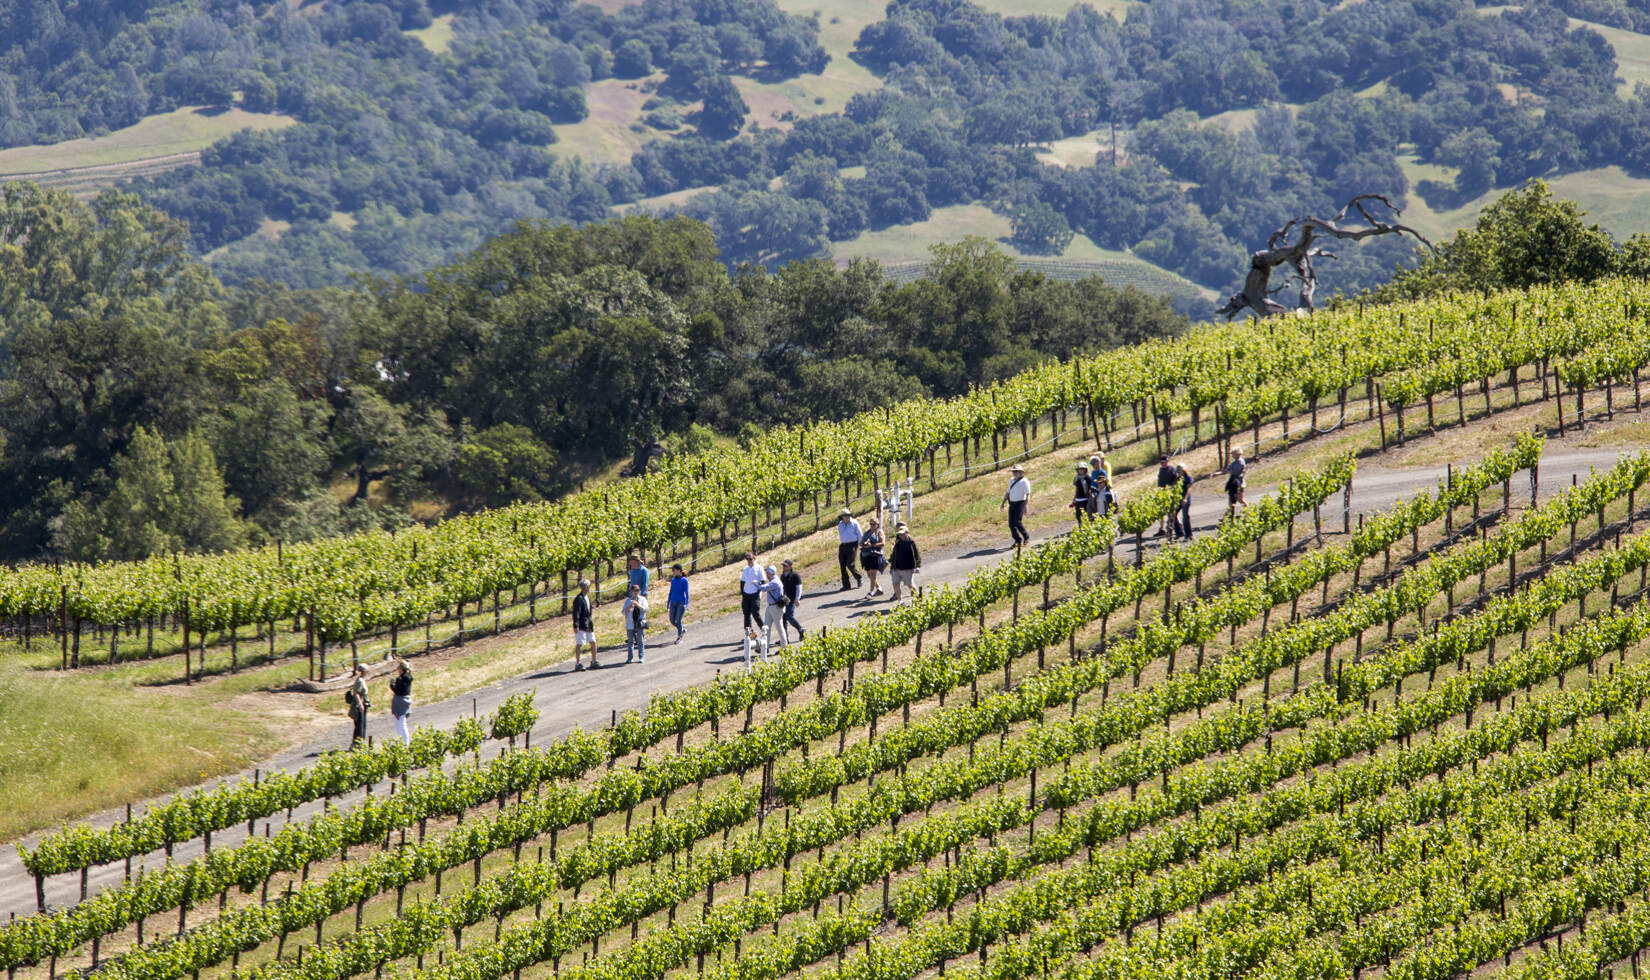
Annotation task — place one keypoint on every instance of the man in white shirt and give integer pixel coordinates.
(751, 581)
(1015, 499)
(848, 533)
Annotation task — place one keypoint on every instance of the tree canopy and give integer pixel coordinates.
(145, 408)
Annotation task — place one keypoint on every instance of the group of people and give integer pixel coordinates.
(1094, 496)
(769, 596)
(634, 613)
(863, 549)
(358, 700)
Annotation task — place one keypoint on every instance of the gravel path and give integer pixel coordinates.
(588, 698)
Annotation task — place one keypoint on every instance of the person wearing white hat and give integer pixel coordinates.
(1081, 487)
(774, 602)
(1017, 499)
(848, 533)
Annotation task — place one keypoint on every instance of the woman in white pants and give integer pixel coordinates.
(401, 700)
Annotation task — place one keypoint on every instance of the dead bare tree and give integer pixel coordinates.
(1298, 255)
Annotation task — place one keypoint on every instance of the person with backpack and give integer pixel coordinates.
(773, 611)
(634, 612)
(848, 533)
(584, 626)
(1017, 498)
(357, 701)
(677, 602)
(1081, 486)
(792, 583)
(401, 700)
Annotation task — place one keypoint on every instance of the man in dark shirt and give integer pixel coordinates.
(1183, 526)
(905, 561)
(792, 583)
(1166, 478)
(584, 626)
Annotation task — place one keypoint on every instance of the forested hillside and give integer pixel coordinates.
(144, 407)
(415, 139)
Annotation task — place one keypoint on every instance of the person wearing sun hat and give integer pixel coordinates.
(1017, 499)
(1099, 480)
(848, 533)
(1081, 487)
(905, 561)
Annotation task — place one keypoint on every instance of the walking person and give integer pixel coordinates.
(677, 602)
(358, 702)
(848, 533)
(1237, 478)
(1184, 512)
(1099, 479)
(773, 609)
(1082, 486)
(1165, 478)
(634, 612)
(1105, 498)
(871, 557)
(401, 700)
(751, 581)
(638, 574)
(1017, 498)
(792, 583)
(907, 560)
(584, 626)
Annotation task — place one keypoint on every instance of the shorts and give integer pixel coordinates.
(582, 637)
(904, 576)
(1233, 492)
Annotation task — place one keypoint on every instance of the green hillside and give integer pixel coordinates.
(1409, 738)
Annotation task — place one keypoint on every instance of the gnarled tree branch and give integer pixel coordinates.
(1298, 255)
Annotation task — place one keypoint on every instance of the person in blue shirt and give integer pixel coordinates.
(639, 575)
(677, 602)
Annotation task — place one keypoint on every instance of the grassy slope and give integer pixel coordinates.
(185, 130)
(438, 37)
(1632, 53)
(1618, 202)
(606, 136)
(910, 243)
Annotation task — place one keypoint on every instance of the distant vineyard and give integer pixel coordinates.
(89, 181)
